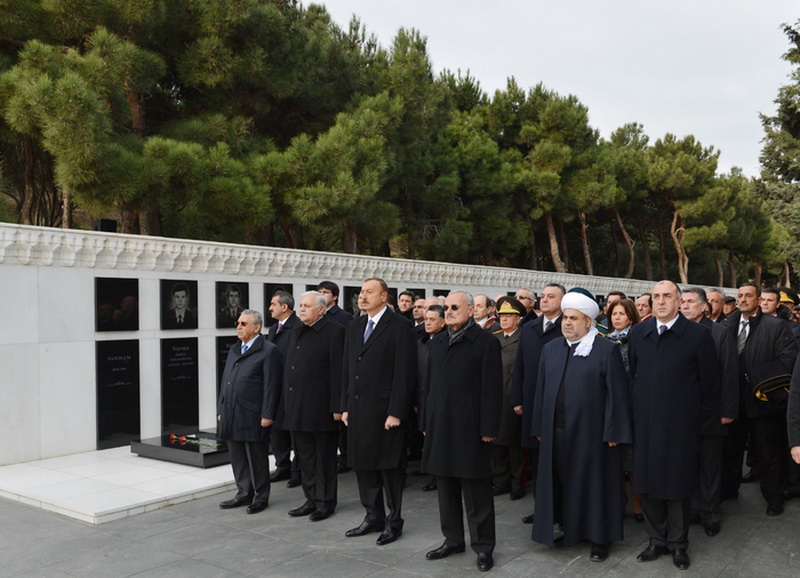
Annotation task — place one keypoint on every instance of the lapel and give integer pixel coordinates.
(560, 359)
(650, 332)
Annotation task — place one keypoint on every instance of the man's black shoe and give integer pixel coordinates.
(652, 552)
(389, 535)
(517, 494)
(712, 529)
(444, 551)
(599, 553)
(429, 487)
(485, 562)
(293, 483)
(773, 511)
(304, 510)
(363, 529)
(256, 508)
(320, 515)
(235, 503)
(342, 468)
(280, 475)
(528, 519)
(680, 558)
(500, 490)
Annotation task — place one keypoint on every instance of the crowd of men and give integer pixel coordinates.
(666, 391)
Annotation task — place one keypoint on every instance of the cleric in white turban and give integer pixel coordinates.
(580, 415)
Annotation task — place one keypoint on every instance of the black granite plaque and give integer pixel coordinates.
(232, 299)
(269, 292)
(116, 304)
(117, 367)
(180, 407)
(178, 304)
(223, 346)
(348, 300)
(418, 293)
(441, 292)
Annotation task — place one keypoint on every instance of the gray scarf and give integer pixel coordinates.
(458, 334)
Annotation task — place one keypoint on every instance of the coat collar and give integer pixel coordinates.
(257, 344)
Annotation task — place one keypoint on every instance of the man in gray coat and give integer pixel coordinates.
(247, 406)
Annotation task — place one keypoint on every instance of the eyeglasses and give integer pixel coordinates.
(451, 307)
(522, 297)
(242, 324)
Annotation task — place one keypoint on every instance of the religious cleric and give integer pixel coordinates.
(580, 415)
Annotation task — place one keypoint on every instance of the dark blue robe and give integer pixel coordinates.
(596, 411)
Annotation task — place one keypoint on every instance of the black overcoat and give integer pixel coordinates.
(510, 423)
(463, 404)
(596, 411)
(770, 351)
(672, 375)
(526, 365)
(312, 382)
(724, 401)
(282, 339)
(379, 379)
(793, 413)
(250, 391)
(339, 315)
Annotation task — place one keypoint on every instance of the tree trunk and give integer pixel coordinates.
(612, 234)
(720, 274)
(558, 264)
(562, 242)
(676, 231)
(648, 262)
(758, 271)
(534, 259)
(349, 239)
(587, 256)
(662, 252)
(66, 208)
(629, 242)
(128, 219)
(787, 275)
(150, 222)
(732, 271)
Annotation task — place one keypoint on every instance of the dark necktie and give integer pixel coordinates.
(741, 339)
(280, 329)
(548, 326)
(662, 329)
(180, 319)
(368, 332)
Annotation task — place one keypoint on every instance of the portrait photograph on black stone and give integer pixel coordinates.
(178, 304)
(349, 299)
(232, 299)
(269, 292)
(117, 372)
(116, 304)
(224, 343)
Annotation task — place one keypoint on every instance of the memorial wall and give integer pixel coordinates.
(106, 338)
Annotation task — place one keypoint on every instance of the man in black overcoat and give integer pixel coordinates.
(461, 417)
(719, 411)
(533, 337)
(281, 309)
(312, 390)
(674, 368)
(793, 414)
(247, 406)
(331, 292)
(766, 352)
(379, 378)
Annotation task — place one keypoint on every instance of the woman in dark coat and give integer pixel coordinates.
(622, 316)
(581, 412)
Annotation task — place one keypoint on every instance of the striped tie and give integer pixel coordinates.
(741, 340)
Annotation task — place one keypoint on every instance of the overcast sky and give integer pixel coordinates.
(701, 67)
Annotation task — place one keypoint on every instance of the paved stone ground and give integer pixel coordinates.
(197, 539)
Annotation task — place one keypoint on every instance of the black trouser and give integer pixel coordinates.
(316, 454)
(733, 455)
(507, 464)
(372, 484)
(769, 444)
(479, 503)
(282, 450)
(250, 463)
(666, 522)
(706, 498)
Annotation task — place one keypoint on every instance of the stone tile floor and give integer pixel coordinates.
(195, 538)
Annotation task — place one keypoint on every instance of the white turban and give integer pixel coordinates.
(580, 302)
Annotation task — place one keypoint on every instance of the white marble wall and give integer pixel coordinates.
(47, 336)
